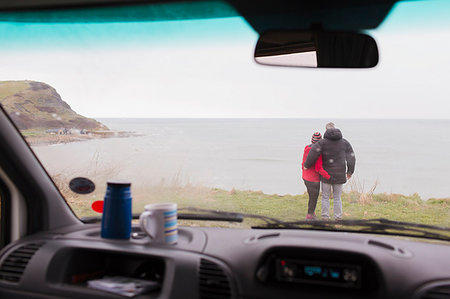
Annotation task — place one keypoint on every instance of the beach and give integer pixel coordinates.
(52, 139)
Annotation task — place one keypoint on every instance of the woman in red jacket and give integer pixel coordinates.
(311, 177)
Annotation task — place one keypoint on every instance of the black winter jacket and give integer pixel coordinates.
(337, 154)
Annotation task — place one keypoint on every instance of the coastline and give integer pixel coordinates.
(51, 139)
(264, 154)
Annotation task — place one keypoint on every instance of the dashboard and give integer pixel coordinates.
(227, 263)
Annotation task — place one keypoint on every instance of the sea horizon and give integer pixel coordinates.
(264, 154)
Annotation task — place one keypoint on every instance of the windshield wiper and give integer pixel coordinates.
(203, 215)
(374, 226)
(200, 215)
(210, 215)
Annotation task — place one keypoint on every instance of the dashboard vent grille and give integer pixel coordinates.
(381, 244)
(15, 263)
(213, 282)
(437, 292)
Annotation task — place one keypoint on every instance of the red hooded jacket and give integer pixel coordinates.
(312, 174)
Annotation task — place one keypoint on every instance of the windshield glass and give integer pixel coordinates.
(179, 108)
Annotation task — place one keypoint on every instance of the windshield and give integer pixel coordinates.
(179, 108)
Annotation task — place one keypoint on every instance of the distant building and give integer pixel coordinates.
(52, 131)
(60, 131)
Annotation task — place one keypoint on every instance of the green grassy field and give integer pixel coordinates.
(288, 207)
(11, 87)
(38, 132)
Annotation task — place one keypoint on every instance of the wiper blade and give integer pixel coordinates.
(376, 226)
(381, 222)
(201, 215)
(210, 215)
(405, 224)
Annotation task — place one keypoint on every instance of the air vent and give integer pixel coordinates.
(397, 251)
(254, 239)
(436, 292)
(213, 282)
(15, 263)
(381, 244)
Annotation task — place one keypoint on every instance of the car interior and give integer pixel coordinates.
(49, 250)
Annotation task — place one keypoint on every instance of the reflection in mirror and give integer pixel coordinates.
(330, 49)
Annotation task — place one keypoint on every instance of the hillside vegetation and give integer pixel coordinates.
(35, 105)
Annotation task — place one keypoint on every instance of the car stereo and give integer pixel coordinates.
(323, 273)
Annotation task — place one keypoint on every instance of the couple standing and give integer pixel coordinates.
(332, 161)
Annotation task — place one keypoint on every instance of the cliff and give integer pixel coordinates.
(36, 105)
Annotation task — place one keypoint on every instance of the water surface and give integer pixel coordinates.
(398, 156)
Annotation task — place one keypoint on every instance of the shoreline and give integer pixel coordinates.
(52, 139)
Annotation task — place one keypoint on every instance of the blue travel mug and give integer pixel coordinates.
(116, 219)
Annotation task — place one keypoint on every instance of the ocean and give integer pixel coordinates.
(394, 156)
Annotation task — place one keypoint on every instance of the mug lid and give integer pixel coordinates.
(123, 183)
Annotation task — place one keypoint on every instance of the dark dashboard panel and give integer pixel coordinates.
(232, 263)
(75, 266)
(332, 271)
(301, 271)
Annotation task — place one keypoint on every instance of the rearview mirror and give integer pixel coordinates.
(329, 49)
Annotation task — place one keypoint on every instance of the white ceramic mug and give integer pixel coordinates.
(159, 221)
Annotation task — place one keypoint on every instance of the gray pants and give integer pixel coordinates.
(326, 192)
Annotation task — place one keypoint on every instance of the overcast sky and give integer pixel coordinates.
(160, 69)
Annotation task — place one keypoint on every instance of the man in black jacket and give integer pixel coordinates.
(339, 161)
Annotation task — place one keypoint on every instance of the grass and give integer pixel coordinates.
(357, 204)
(8, 88)
(34, 132)
(287, 207)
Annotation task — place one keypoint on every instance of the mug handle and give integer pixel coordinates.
(142, 219)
